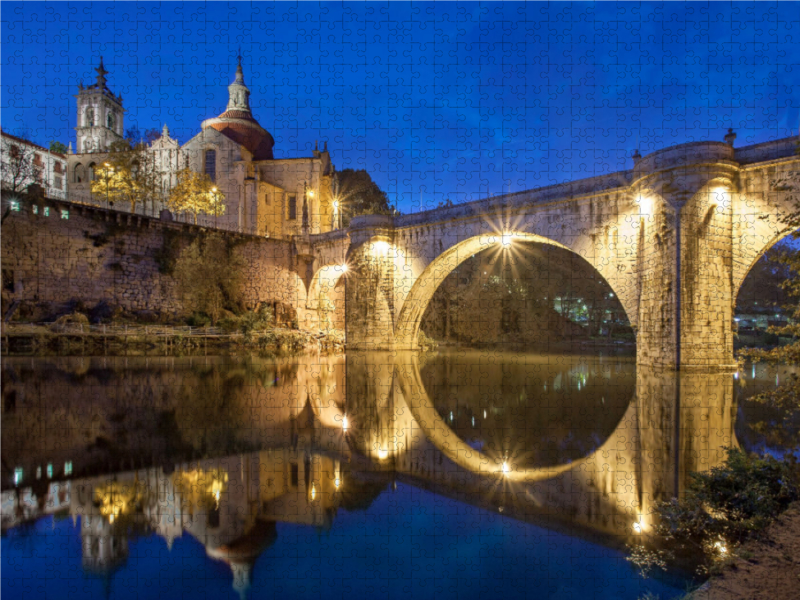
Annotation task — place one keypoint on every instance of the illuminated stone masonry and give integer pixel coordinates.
(674, 237)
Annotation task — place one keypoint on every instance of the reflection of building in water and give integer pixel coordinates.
(229, 505)
(312, 460)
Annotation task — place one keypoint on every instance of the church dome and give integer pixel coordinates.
(237, 122)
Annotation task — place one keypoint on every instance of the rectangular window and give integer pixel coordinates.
(295, 474)
(38, 472)
(211, 164)
(17, 475)
(49, 470)
(68, 468)
(46, 211)
(58, 183)
(64, 214)
(35, 209)
(14, 205)
(292, 208)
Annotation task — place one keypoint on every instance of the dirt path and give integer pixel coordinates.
(773, 572)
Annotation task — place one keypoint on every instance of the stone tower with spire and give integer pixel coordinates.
(100, 115)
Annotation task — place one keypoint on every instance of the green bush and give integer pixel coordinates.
(424, 342)
(198, 320)
(247, 323)
(723, 508)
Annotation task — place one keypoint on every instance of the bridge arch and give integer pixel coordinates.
(431, 277)
(325, 297)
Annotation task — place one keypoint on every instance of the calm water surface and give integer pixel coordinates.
(460, 474)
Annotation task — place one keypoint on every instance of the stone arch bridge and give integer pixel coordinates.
(674, 237)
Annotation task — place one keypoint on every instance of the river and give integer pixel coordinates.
(456, 474)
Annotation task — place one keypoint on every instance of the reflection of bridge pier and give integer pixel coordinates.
(660, 439)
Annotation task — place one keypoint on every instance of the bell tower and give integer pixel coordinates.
(100, 115)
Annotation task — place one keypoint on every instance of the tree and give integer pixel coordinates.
(22, 165)
(358, 194)
(129, 174)
(196, 193)
(59, 147)
(209, 276)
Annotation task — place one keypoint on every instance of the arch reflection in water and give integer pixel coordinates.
(235, 447)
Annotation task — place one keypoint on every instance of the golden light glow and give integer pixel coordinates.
(310, 193)
(645, 205)
(337, 482)
(345, 423)
(344, 268)
(313, 492)
(506, 239)
(383, 454)
(637, 527)
(336, 204)
(380, 248)
(721, 547)
(506, 468)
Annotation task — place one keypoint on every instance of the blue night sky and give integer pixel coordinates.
(453, 100)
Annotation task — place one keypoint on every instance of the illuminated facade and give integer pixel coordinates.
(264, 196)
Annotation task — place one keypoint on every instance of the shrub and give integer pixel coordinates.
(247, 323)
(724, 507)
(424, 342)
(198, 320)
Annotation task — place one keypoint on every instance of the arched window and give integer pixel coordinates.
(111, 120)
(79, 174)
(211, 164)
(91, 172)
(90, 117)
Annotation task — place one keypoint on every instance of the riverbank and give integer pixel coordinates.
(67, 339)
(765, 569)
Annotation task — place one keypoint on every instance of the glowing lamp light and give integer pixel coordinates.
(344, 268)
(310, 193)
(345, 424)
(337, 482)
(383, 453)
(637, 527)
(380, 248)
(506, 239)
(336, 204)
(721, 547)
(506, 468)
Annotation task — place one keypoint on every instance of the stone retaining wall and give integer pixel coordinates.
(56, 253)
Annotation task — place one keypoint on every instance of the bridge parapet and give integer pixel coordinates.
(693, 153)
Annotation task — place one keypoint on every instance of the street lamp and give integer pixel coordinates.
(109, 168)
(214, 191)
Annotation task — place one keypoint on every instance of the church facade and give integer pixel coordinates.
(263, 195)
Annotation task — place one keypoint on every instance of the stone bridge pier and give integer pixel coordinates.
(674, 237)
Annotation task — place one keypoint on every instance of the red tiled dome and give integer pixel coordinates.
(237, 122)
(257, 141)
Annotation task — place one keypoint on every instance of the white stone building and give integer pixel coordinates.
(25, 163)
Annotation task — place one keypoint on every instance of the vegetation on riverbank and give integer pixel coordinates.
(73, 335)
(720, 511)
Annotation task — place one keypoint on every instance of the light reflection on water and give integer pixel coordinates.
(311, 476)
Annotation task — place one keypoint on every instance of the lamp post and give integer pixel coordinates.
(110, 169)
(214, 192)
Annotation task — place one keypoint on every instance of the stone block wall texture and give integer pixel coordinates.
(93, 255)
